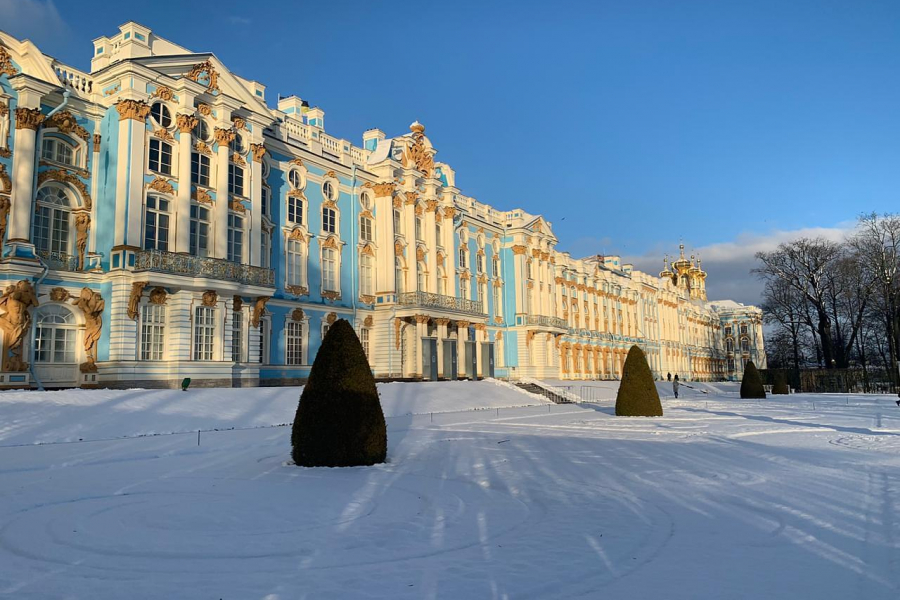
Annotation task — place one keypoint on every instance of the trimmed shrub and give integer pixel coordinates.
(637, 395)
(780, 386)
(339, 421)
(752, 384)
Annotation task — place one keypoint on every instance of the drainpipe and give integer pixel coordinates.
(354, 241)
(45, 267)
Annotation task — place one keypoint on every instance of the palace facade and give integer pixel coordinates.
(159, 221)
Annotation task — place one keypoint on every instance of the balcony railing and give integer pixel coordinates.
(159, 261)
(59, 261)
(544, 321)
(426, 300)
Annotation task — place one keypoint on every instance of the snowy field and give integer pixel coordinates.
(791, 497)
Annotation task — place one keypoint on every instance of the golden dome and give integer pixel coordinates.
(417, 127)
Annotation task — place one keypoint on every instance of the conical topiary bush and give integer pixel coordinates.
(751, 384)
(780, 386)
(637, 395)
(339, 421)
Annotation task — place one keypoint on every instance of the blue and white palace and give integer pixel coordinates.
(161, 220)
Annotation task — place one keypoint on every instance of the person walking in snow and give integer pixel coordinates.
(675, 385)
(668, 377)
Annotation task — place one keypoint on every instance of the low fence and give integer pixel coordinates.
(835, 381)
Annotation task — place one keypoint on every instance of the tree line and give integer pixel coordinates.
(835, 304)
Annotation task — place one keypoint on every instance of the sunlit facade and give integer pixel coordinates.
(161, 221)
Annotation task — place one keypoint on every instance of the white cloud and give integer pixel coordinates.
(729, 263)
(36, 20)
(239, 20)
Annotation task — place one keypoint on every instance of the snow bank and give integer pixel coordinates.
(30, 417)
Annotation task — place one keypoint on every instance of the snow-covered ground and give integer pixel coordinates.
(791, 497)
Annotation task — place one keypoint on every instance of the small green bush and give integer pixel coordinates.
(339, 421)
(780, 386)
(637, 395)
(752, 384)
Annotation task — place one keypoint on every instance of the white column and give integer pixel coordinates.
(431, 243)
(223, 201)
(186, 123)
(27, 122)
(419, 369)
(441, 336)
(479, 338)
(130, 171)
(255, 207)
(462, 335)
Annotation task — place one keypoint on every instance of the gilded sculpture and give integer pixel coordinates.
(64, 177)
(59, 294)
(210, 298)
(259, 309)
(136, 110)
(65, 122)
(4, 216)
(16, 322)
(186, 122)
(196, 74)
(4, 128)
(417, 155)
(91, 304)
(134, 300)
(6, 64)
(158, 295)
(82, 225)
(29, 118)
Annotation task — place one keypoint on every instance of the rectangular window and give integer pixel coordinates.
(296, 263)
(294, 343)
(365, 229)
(366, 275)
(438, 234)
(497, 302)
(204, 332)
(237, 337)
(364, 340)
(264, 332)
(153, 331)
(265, 249)
(419, 228)
(329, 270)
(397, 223)
(199, 231)
(399, 277)
(480, 289)
(479, 262)
(235, 238)
(199, 169)
(329, 218)
(495, 267)
(235, 180)
(295, 210)
(156, 224)
(462, 258)
(264, 201)
(160, 157)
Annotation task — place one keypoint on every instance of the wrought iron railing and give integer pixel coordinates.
(213, 268)
(59, 261)
(426, 300)
(545, 321)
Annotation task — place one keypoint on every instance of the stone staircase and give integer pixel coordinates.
(546, 391)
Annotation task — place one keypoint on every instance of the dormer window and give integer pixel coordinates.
(329, 191)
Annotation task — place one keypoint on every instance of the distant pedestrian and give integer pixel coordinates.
(668, 377)
(675, 385)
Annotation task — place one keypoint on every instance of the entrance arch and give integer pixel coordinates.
(56, 346)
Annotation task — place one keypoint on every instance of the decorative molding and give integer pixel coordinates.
(420, 253)
(238, 206)
(186, 122)
(330, 175)
(224, 137)
(331, 295)
(5, 205)
(297, 314)
(296, 162)
(134, 300)
(164, 134)
(203, 148)
(204, 109)
(368, 321)
(367, 299)
(417, 155)
(331, 242)
(237, 159)
(59, 294)
(5, 181)
(16, 323)
(239, 123)
(205, 67)
(296, 290)
(163, 93)
(29, 118)
(237, 303)
(65, 122)
(161, 184)
(136, 110)
(397, 202)
(422, 319)
(82, 225)
(97, 139)
(210, 298)
(258, 150)
(6, 64)
(411, 198)
(519, 250)
(385, 189)
(202, 196)
(397, 325)
(64, 177)
(398, 248)
(431, 205)
(158, 295)
(330, 318)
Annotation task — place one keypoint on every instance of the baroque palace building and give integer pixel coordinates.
(159, 221)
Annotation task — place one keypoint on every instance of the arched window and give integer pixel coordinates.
(399, 275)
(51, 221)
(56, 150)
(54, 338)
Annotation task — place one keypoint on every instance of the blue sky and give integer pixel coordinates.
(629, 125)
